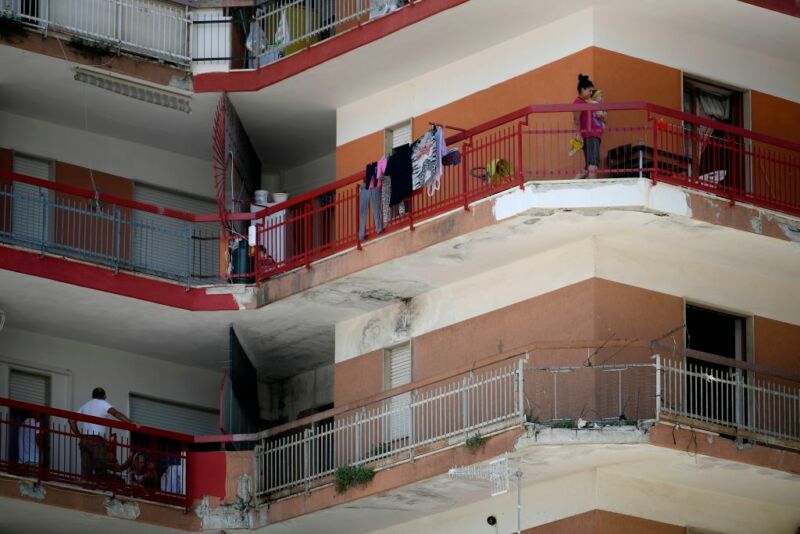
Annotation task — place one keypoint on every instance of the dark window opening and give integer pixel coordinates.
(713, 391)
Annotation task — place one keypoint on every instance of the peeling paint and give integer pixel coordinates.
(122, 509)
(792, 233)
(756, 225)
(238, 515)
(32, 490)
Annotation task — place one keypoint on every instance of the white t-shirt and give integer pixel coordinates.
(28, 448)
(96, 408)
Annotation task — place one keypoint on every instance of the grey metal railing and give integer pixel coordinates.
(285, 26)
(110, 235)
(393, 430)
(731, 400)
(151, 28)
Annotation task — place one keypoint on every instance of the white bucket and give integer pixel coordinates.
(280, 197)
(262, 197)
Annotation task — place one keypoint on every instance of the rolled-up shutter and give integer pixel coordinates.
(161, 244)
(399, 374)
(28, 204)
(28, 387)
(401, 135)
(174, 417)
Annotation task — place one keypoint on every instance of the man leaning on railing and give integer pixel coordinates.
(94, 446)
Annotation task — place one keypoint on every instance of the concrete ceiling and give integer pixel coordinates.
(297, 333)
(44, 88)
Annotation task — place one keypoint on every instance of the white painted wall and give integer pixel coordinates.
(693, 36)
(80, 367)
(684, 34)
(309, 175)
(107, 154)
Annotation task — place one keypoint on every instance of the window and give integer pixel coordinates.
(28, 204)
(159, 242)
(711, 391)
(717, 155)
(397, 371)
(397, 135)
(26, 443)
(29, 387)
(173, 416)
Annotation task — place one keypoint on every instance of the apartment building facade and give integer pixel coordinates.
(516, 349)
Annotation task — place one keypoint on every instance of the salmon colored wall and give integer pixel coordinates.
(627, 79)
(601, 521)
(358, 378)
(777, 344)
(593, 309)
(565, 314)
(628, 312)
(623, 78)
(69, 225)
(562, 315)
(775, 116)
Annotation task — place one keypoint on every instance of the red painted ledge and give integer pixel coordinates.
(121, 283)
(253, 80)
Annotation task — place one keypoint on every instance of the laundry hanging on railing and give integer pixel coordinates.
(398, 167)
(426, 160)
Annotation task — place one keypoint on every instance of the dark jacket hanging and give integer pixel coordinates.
(399, 168)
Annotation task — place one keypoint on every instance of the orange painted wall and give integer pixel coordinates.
(594, 309)
(73, 229)
(775, 116)
(623, 78)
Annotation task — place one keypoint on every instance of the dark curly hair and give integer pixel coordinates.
(584, 82)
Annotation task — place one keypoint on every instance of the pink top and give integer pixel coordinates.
(588, 128)
(381, 168)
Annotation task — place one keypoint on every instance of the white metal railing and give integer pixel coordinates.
(731, 398)
(433, 418)
(285, 23)
(147, 27)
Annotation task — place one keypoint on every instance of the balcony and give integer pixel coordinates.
(556, 394)
(583, 394)
(38, 443)
(644, 142)
(153, 29)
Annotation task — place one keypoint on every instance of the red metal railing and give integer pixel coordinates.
(641, 140)
(38, 442)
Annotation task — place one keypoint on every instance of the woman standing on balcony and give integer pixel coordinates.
(588, 133)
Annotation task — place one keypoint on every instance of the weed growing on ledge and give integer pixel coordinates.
(90, 49)
(351, 475)
(475, 441)
(563, 423)
(11, 28)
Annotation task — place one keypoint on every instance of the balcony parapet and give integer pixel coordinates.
(646, 141)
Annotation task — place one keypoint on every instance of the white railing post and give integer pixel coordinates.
(412, 437)
(307, 433)
(658, 386)
(357, 444)
(465, 404)
(520, 393)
